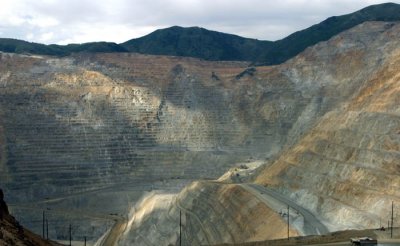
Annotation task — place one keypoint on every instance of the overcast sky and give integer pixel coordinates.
(78, 21)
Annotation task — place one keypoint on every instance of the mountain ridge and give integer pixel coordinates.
(205, 44)
(197, 42)
(104, 129)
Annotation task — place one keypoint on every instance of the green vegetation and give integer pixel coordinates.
(295, 43)
(94, 47)
(197, 42)
(23, 47)
(210, 45)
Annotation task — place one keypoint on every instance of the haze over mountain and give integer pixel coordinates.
(210, 45)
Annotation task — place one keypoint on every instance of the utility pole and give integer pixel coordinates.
(288, 222)
(70, 235)
(47, 229)
(43, 224)
(180, 227)
(85, 241)
(391, 228)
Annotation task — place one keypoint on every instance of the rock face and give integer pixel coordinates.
(12, 233)
(211, 213)
(87, 135)
(341, 154)
(3, 206)
(347, 167)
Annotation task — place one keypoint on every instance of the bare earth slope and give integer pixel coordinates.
(87, 136)
(347, 168)
(343, 169)
(13, 234)
(211, 213)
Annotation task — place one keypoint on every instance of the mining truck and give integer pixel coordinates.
(364, 241)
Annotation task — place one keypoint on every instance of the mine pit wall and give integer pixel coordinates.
(343, 167)
(82, 128)
(4, 175)
(212, 213)
(115, 125)
(78, 128)
(347, 168)
(232, 215)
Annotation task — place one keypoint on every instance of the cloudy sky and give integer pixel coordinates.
(78, 21)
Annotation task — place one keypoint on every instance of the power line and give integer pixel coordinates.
(47, 229)
(70, 235)
(43, 216)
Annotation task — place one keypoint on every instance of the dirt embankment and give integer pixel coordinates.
(13, 234)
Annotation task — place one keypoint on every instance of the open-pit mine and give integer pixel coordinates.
(134, 149)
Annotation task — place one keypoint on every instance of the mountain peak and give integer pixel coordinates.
(201, 43)
(195, 42)
(210, 45)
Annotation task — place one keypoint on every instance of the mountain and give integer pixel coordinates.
(22, 47)
(295, 43)
(91, 136)
(335, 109)
(93, 47)
(197, 42)
(211, 45)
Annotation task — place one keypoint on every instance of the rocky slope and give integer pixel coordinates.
(211, 213)
(122, 124)
(87, 136)
(12, 233)
(343, 169)
(346, 168)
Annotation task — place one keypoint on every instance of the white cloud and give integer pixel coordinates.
(103, 32)
(45, 37)
(30, 36)
(61, 21)
(42, 21)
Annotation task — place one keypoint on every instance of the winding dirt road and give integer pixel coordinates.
(312, 226)
(114, 234)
